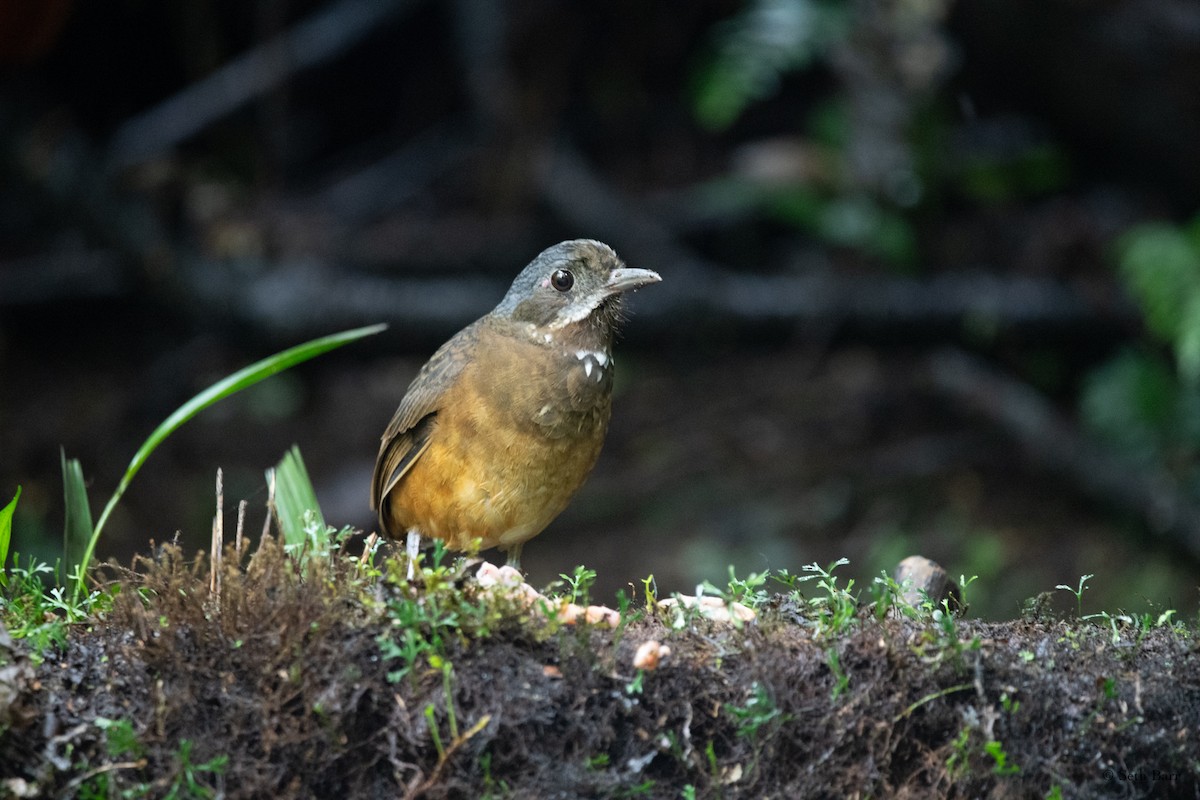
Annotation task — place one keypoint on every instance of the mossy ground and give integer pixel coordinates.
(304, 683)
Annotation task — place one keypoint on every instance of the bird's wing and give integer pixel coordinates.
(407, 435)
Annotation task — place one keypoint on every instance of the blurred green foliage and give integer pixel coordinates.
(1160, 264)
(1137, 401)
(1036, 169)
(857, 178)
(754, 48)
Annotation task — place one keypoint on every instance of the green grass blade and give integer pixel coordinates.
(6, 515)
(78, 528)
(232, 384)
(294, 495)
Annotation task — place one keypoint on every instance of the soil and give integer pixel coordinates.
(285, 675)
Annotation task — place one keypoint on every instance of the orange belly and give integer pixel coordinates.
(483, 478)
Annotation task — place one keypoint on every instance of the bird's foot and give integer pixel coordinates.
(412, 546)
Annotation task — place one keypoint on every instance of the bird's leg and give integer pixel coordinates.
(413, 548)
(514, 556)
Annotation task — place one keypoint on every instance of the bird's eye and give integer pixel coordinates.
(562, 280)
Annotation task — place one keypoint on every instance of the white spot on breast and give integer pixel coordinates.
(594, 361)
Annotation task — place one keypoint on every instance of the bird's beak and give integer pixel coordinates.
(624, 279)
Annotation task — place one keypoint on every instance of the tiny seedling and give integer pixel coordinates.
(597, 762)
(1077, 592)
(841, 678)
(960, 754)
(580, 583)
(837, 608)
(188, 782)
(642, 789)
(650, 590)
(748, 591)
(120, 739)
(1115, 622)
(1001, 765)
(759, 712)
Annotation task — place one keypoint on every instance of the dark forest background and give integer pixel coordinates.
(931, 269)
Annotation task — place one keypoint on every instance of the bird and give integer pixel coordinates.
(503, 424)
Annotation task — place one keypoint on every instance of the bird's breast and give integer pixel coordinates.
(547, 389)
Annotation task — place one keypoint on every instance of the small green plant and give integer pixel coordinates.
(580, 584)
(947, 642)
(637, 790)
(963, 584)
(75, 489)
(425, 619)
(434, 733)
(296, 508)
(748, 591)
(77, 526)
(119, 737)
(1115, 623)
(759, 713)
(597, 762)
(627, 616)
(887, 596)
(35, 607)
(446, 751)
(714, 766)
(1108, 693)
(841, 677)
(492, 787)
(120, 741)
(837, 607)
(447, 670)
(1001, 765)
(1077, 592)
(189, 777)
(650, 591)
(958, 762)
(6, 515)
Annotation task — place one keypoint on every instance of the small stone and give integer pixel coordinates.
(926, 575)
(649, 654)
(713, 608)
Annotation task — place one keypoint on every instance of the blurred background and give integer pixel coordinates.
(931, 268)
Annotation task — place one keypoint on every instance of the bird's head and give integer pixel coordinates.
(575, 284)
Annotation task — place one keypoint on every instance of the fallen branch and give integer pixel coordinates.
(1151, 494)
(581, 197)
(315, 40)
